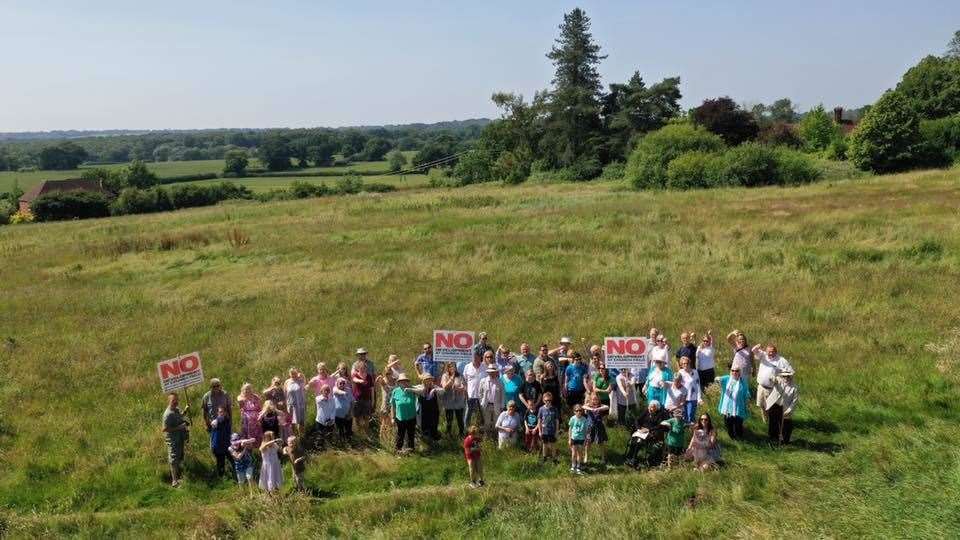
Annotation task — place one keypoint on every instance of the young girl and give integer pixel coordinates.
(249, 413)
(577, 438)
(597, 434)
(242, 459)
(342, 400)
(531, 435)
(675, 445)
(471, 451)
(271, 475)
(269, 418)
(298, 461)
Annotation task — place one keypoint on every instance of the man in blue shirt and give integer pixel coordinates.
(425, 364)
(481, 347)
(525, 359)
(575, 388)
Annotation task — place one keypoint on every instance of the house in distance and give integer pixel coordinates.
(57, 186)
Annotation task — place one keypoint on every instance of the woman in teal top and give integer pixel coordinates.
(511, 387)
(403, 407)
(658, 378)
(734, 395)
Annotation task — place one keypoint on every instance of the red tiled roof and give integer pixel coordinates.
(54, 186)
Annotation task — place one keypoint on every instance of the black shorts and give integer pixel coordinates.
(549, 439)
(576, 442)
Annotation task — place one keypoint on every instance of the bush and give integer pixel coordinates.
(794, 167)
(70, 205)
(614, 171)
(512, 167)
(647, 165)
(349, 184)
(694, 170)
(141, 201)
(441, 177)
(941, 139)
(396, 160)
(749, 165)
(474, 167)
(837, 150)
(235, 162)
(888, 138)
(582, 170)
(306, 190)
(22, 216)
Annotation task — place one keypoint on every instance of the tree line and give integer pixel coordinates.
(300, 147)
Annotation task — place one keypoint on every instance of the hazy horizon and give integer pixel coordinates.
(219, 64)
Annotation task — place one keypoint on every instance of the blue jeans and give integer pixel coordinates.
(690, 412)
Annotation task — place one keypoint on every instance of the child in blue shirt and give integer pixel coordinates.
(578, 436)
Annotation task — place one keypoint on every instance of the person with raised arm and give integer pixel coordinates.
(742, 354)
(271, 473)
(769, 366)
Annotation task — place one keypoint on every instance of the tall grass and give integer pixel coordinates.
(852, 280)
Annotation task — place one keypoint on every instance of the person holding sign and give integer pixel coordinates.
(425, 364)
(176, 434)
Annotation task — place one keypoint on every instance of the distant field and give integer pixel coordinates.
(27, 180)
(266, 184)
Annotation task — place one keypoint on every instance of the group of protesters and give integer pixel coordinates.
(517, 399)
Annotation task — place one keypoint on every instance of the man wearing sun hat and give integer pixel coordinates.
(561, 356)
(362, 357)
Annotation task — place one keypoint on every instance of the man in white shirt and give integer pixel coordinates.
(491, 399)
(473, 373)
(769, 366)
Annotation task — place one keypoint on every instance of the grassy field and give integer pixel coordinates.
(26, 180)
(407, 181)
(853, 279)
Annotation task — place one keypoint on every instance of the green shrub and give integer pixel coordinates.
(693, 170)
(818, 130)
(141, 201)
(794, 167)
(349, 185)
(749, 165)
(614, 171)
(474, 167)
(305, 190)
(837, 150)
(647, 165)
(441, 177)
(941, 140)
(70, 205)
(512, 167)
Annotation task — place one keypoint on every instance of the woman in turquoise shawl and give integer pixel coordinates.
(658, 378)
(734, 396)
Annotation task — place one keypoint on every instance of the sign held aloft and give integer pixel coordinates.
(453, 346)
(626, 352)
(180, 372)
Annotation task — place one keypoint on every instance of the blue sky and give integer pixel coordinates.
(211, 63)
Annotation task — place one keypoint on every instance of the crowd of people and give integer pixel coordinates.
(516, 399)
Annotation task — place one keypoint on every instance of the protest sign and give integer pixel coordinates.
(626, 352)
(180, 372)
(452, 346)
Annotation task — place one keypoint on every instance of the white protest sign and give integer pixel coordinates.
(180, 372)
(626, 352)
(452, 346)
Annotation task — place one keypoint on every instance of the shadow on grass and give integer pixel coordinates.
(831, 448)
(823, 426)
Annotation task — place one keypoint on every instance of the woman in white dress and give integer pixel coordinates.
(271, 474)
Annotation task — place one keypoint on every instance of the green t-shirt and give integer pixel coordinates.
(578, 427)
(404, 403)
(675, 435)
(601, 383)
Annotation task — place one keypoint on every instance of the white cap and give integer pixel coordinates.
(565, 340)
(361, 350)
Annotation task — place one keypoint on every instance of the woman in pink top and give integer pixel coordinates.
(323, 377)
(249, 413)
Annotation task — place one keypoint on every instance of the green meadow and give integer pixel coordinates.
(856, 280)
(163, 169)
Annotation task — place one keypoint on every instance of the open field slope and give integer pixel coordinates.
(852, 279)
